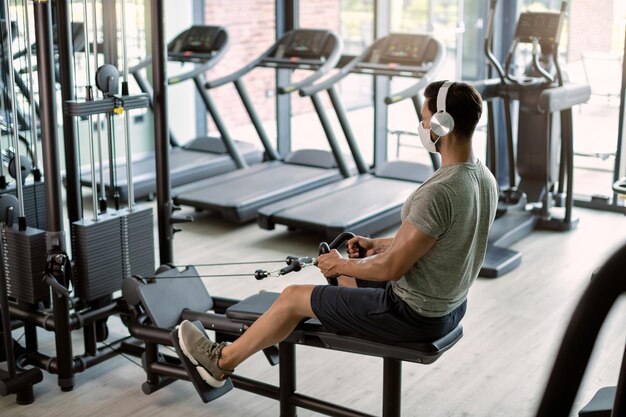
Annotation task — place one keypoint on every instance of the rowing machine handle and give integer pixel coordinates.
(325, 248)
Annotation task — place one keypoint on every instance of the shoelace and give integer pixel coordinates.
(215, 351)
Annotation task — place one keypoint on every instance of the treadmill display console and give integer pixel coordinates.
(411, 52)
(308, 44)
(198, 43)
(403, 50)
(545, 26)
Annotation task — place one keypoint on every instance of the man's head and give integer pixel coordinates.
(463, 103)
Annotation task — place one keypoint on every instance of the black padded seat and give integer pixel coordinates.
(311, 332)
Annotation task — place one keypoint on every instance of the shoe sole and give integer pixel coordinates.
(204, 374)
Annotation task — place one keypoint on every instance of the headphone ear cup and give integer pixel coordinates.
(442, 123)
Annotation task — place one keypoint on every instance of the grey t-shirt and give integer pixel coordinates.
(456, 206)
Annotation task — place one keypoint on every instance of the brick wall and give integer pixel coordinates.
(251, 25)
(590, 26)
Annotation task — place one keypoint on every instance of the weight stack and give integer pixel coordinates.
(24, 262)
(34, 203)
(97, 250)
(137, 231)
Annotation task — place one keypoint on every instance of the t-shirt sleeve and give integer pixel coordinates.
(430, 210)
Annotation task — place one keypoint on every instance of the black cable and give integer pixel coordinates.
(231, 263)
(119, 351)
(200, 276)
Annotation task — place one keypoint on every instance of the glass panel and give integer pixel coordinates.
(419, 16)
(594, 56)
(353, 21)
(251, 33)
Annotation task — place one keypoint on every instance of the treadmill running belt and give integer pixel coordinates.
(332, 208)
(237, 195)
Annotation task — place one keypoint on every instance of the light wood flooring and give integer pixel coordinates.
(513, 328)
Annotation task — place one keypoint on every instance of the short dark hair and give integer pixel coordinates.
(463, 103)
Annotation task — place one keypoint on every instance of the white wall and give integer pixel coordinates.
(181, 98)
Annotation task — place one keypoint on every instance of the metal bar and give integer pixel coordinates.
(392, 387)
(492, 143)
(109, 29)
(568, 149)
(619, 163)
(382, 23)
(287, 19)
(619, 406)
(14, 129)
(325, 407)
(330, 135)
(219, 123)
(161, 132)
(54, 213)
(34, 111)
(127, 142)
(510, 148)
(102, 193)
(287, 378)
(347, 130)
(580, 336)
(66, 73)
(270, 152)
(46, 321)
(255, 387)
(89, 96)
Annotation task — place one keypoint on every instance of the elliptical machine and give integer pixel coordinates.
(540, 162)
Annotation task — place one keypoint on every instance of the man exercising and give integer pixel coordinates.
(412, 287)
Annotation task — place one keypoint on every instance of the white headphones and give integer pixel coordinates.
(442, 123)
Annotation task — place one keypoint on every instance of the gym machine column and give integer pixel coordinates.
(12, 381)
(55, 236)
(161, 133)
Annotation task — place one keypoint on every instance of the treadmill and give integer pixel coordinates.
(370, 202)
(203, 157)
(237, 195)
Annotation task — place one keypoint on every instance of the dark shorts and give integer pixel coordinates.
(378, 313)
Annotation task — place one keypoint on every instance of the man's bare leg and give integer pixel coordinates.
(293, 305)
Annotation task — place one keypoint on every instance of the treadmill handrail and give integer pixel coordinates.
(329, 64)
(343, 72)
(237, 74)
(393, 98)
(199, 68)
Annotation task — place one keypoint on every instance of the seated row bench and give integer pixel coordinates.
(159, 305)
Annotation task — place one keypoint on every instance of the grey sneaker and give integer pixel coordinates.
(203, 353)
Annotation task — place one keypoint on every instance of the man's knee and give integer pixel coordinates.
(295, 299)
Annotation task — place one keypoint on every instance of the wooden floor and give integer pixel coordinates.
(512, 329)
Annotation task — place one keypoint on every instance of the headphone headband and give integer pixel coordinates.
(441, 96)
(442, 122)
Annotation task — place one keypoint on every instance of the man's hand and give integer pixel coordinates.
(361, 247)
(328, 263)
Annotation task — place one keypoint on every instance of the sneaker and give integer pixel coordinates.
(203, 353)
